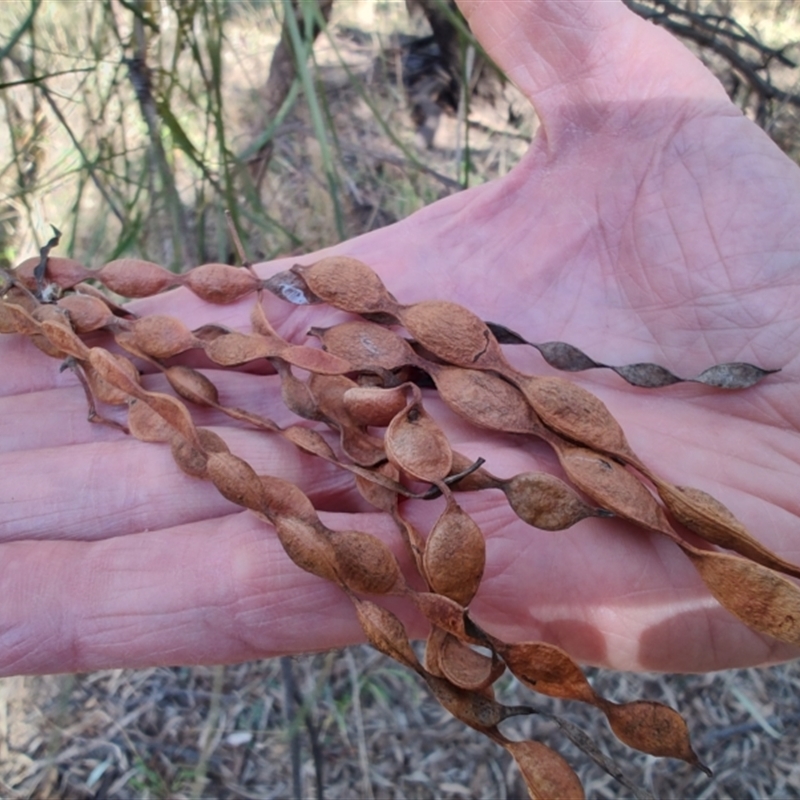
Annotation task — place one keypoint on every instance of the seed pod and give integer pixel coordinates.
(104, 391)
(453, 334)
(65, 339)
(544, 501)
(119, 378)
(162, 337)
(576, 414)
(653, 728)
(235, 480)
(376, 494)
(365, 564)
(131, 277)
(416, 444)
(547, 669)
(193, 386)
(373, 405)
(465, 667)
(191, 459)
(611, 485)
(484, 399)
(308, 547)
(313, 360)
(15, 319)
(86, 313)
(66, 272)
(284, 499)
(232, 349)
(290, 287)
(443, 613)
(296, 394)
(147, 426)
(762, 599)
(220, 283)
(546, 774)
(365, 345)
(385, 633)
(455, 555)
(346, 283)
(707, 517)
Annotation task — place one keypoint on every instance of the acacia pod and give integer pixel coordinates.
(365, 345)
(764, 600)
(15, 319)
(346, 283)
(118, 377)
(66, 272)
(444, 613)
(193, 386)
(160, 336)
(576, 414)
(546, 502)
(465, 667)
(416, 444)
(374, 405)
(284, 499)
(546, 774)
(455, 555)
(310, 441)
(232, 349)
(308, 547)
(191, 459)
(707, 517)
(611, 485)
(147, 426)
(364, 449)
(377, 494)
(484, 399)
(547, 669)
(65, 339)
(365, 564)
(296, 394)
(220, 283)
(385, 633)
(101, 389)
(235, 480)
(86, 313)
(452, 333)
(652, 728)
(313, 360)
(132, 277)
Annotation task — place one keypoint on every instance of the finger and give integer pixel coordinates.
(572, 57)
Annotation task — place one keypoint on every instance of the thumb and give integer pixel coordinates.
(574, 58)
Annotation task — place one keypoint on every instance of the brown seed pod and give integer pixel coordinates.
(310, 441)
(365, 564)
(65, 272)
(64, 339)
(193, 386)
(147, 426)
(308, 547)
(131, 277)
(160, 336)
(16, 319)
(546, 774)
(112, 378)
(366, 346)
(707, 517)
(653, 728)
(220, 283)
(452, 333)
(455, 555)
(374, 405)
(191, 459)
(235, 480)
(416, 444)
(546, 502)
(467, 668)
(86, 313)
(385, 632)
(232, 349)
(346, 283)
(284, 499)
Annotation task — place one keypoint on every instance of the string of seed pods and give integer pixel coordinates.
(359, 381)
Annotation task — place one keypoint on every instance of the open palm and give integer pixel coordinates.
(649, 222)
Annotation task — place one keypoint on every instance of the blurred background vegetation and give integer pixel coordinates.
(133, 126)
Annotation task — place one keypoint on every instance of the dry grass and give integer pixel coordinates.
(223, 731)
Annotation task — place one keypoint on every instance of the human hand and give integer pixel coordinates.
(649, 222)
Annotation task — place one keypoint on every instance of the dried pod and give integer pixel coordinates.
(613, 487)
(455, 555)
(284, 499)
(735, 375)
(377, 494)
(313, 360)
(86, 313)
(707, 517)
(131, 277)
(452, 333)
(546, 502)
(65, 339)
(365, 564)
(547, 669)
(160, 336)
(652, 728)
(365, 345)
(193, 386)
(66, 272)
(15, 319)
(147, 426)
(220, 283)
(443, 613)
(232, 349)
(546, 774)
(310, 441)
(465, 667)
(191, 459)
(386, 633)
(576, 414)
(104, 391)
(373, 405)
(119, 377)
(296, 394)
(290, 287)
(308, 547)
(484, 399)
(761, 598)
(235, 480)
(416, 444)
(346, 283)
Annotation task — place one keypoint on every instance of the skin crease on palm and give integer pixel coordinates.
(650, 221)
